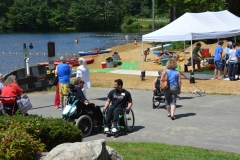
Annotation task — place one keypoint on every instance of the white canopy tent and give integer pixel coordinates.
(196, 26)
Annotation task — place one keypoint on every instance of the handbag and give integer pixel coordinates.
(69, 110)
(55, 81)
(24, 104)
(164, 82)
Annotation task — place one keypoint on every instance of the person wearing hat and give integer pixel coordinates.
(226, 66)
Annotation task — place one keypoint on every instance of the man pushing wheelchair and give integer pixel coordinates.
(121, 104)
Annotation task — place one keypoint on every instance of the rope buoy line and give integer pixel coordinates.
(98, 35)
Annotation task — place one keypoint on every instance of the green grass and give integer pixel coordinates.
(159, 151)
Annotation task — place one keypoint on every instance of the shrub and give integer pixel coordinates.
(16, 143)
(135, 25)
(51, 131)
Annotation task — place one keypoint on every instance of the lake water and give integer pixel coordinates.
(11, 45)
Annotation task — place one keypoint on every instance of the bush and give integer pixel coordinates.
(16, 143)
(51, 131)
(135, 25)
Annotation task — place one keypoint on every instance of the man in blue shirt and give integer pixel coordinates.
(238, 68)
(218, 60)
(63, 71)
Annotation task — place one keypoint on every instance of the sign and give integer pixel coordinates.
(51, 63)
(25, 53)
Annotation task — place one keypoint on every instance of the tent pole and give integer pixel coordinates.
(142, 57)
(191, 56)
(184, 53)
(235, 39)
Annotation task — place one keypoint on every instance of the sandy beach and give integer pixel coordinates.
(129, 53)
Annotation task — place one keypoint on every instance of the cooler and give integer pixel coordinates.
(104, 65)
(205, 52)
(164, 61)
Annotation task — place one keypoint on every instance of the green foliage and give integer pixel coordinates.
(16, 143)
(55, 15)
(179, 45)
(135, 25)
(128, 20)
(156, 151)
(51, 131)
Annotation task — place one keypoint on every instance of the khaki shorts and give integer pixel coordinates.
(63, 89)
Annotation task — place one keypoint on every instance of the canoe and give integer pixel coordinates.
(73, 62)
(158, 47)
(86, 53)
(82, 53)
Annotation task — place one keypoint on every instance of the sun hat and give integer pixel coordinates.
(230, 43)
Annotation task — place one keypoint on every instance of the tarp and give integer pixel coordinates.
(196, 26)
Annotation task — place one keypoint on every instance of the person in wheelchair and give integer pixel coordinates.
(121, 101)
(156, 84)
(12, 89)
(77, 92)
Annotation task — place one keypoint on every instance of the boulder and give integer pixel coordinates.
(91, 150)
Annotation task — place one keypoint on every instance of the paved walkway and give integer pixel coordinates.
(210, 121)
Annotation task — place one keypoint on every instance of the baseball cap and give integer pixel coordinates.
(230, 43)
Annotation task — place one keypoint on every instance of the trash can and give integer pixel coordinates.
(164, 61)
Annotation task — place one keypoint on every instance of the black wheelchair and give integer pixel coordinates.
(157, 98)
(125, 124)
(88, 117)
(10, 108)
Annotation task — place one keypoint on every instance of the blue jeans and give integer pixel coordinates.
(232, 70)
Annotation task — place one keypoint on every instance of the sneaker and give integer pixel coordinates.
(60, 108)
(106, 129)
(114, 130)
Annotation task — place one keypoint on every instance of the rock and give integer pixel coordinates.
(113, 155)
(91, 150)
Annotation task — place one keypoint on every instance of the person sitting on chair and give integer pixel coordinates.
(121, 99)
(78, 93)
(12, 89)
(156, 82)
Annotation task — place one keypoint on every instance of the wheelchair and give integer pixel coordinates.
(126, 122)
(10, 108)
(87, 117)
(157, 98)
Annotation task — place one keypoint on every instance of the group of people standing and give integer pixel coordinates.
(230, 61)
(63, 71)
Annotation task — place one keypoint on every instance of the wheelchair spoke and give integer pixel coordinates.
(129, 121)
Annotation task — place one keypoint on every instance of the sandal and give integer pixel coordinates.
(173, 118)
(169, 115)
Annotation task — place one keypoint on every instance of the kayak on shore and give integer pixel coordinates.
(74, 62)
(82, 53)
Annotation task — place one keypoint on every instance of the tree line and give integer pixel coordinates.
(86, 15)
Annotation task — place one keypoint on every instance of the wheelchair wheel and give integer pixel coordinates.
(155, 101)
(85, 124)
(129, 121)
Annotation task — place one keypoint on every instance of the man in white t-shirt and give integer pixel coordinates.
(226, 67)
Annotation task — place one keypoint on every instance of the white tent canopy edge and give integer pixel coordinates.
(196, 26)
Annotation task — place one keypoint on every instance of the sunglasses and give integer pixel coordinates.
(82, 82)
